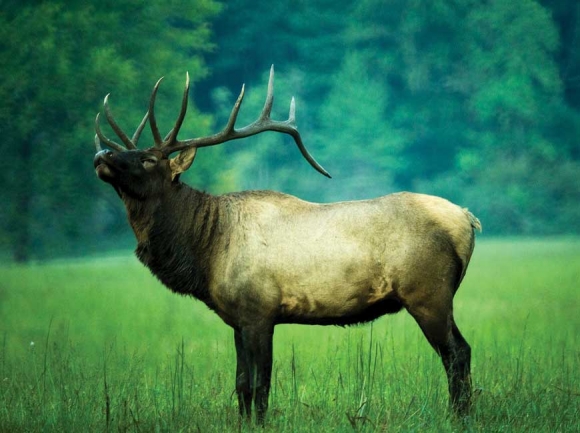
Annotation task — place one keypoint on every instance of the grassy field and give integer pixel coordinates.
(99, 345)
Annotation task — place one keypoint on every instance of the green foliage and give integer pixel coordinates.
(352, 118)
(99, 344)
(59, 60)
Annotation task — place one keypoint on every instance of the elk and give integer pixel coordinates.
(263, 258)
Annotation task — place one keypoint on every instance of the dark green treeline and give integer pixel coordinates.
(476, 101)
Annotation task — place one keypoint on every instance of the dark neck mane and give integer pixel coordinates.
(176, 236)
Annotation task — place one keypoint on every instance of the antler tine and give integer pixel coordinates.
(292, 113)
(267, 110)
(298, 139)
(262, 124)
(172, 136)
(130, 143)
(221, 137)
(98, 143)
(139, 129)
(230, 126)
(152, 121)
(104, 139)
(126, 140)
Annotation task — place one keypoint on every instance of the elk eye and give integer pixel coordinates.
(149, 162)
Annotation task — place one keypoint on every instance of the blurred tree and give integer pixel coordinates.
(514, 103)
(477, 90)
(59, 58)
(566, 14)
(355, 133)
(293, 35)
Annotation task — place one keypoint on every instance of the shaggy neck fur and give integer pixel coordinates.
(176, 234)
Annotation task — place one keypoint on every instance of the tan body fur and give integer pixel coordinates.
(300, 262)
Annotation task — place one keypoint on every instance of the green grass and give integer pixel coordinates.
(100, 345)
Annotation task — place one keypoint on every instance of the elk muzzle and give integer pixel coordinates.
(103, 165)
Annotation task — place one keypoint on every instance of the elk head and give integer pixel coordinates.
(139, 173)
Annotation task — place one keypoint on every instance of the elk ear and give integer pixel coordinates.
(182, 162)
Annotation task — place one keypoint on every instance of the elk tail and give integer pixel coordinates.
(476, 226)
(473, 220)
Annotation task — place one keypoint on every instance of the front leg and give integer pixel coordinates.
(254, 368)
(242, 378)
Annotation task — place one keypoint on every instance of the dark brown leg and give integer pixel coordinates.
(242, 378)
(439, 327)
(457, 364)
(254, 348)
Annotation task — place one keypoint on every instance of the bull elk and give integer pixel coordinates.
(262, 258)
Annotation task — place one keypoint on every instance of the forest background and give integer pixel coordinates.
(475, 101)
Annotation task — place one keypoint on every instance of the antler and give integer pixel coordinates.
(130, 143)
(171, 144)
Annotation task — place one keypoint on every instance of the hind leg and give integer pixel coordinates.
(435, 317)
(458, 367)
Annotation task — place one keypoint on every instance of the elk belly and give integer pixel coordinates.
(342, 304)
